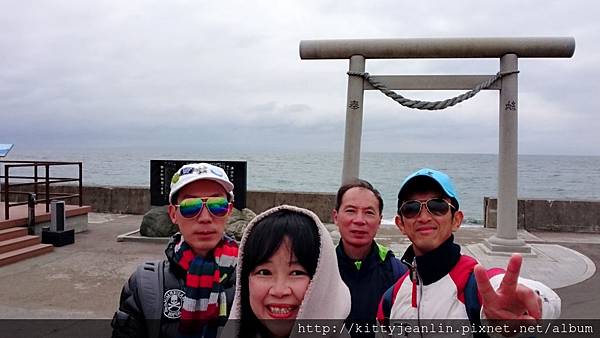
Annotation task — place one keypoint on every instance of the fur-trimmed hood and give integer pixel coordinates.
(327, 297)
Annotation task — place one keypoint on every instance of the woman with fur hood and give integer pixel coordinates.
(287, 277)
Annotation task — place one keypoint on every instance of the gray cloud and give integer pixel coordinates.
(144, 72)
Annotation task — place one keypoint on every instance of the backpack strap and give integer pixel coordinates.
(386, 306)
(150, 285)
(473, 305)
(387, 300)
(398, 269)
(463, 276)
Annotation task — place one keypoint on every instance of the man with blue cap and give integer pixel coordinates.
(441, 282)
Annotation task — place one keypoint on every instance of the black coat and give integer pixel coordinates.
(377, 272)
(130, 320)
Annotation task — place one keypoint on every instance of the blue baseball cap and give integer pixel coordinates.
(439, 177)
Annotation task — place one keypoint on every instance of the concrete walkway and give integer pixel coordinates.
(84, 280)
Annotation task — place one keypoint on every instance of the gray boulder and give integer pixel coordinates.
(238, 221)
(157, 223)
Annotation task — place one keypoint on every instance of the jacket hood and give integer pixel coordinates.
(327, 297)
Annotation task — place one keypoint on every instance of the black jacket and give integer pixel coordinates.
(131, 321)
(368, 280)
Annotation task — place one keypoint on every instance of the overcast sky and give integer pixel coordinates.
(227, 75)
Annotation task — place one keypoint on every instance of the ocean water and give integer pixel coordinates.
(475, 175)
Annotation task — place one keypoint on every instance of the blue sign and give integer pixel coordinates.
(4, 149)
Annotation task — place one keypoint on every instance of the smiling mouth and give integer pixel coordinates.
(426, 230)
(281, 311)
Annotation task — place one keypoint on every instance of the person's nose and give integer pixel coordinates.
(359, 218)
(204, 215)
(280, 287)
(424, 214)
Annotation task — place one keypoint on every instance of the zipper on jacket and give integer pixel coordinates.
(414, 277)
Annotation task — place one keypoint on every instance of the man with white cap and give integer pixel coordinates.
(441, 282)
(191, 291)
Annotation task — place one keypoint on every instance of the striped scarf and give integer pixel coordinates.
(205, 299)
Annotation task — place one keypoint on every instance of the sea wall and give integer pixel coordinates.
(532, 214)
(136, 200)
(549, 215)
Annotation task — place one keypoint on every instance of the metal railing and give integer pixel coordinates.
(45, 180)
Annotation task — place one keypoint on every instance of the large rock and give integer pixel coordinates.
(238, 221)
(157, 223)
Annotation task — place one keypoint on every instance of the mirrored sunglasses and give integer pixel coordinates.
(192, 207)
(435, 206)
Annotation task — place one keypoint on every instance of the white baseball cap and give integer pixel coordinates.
(199, 171)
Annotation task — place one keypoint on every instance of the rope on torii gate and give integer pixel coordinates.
(430, 105)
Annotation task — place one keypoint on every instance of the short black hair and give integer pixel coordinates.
(357, 183)
(423, 184)
(263, 241)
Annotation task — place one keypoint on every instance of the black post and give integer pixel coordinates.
(35, 178)
(6, 192)
(47, 187)
(31, 213)
(80, 184)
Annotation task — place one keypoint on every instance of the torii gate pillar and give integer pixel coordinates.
(506, 239)
(354, 118)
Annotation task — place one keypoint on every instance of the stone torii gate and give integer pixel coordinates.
(508, 50)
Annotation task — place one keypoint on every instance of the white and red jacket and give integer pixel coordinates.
(434, 286)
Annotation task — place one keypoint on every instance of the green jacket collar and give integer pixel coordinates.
(381, 252)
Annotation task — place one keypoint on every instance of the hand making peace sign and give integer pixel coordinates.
(512, 301)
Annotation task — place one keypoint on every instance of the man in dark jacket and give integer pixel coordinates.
(367, 267)
(189, 293)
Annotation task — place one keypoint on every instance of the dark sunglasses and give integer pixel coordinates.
(435, 206)
(191, 207)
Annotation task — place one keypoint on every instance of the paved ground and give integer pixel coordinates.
(84, 280)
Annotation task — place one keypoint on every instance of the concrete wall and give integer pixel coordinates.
(550, 215)
(125, 200)
(136, 200)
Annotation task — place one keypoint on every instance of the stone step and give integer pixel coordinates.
(11, 233)
(24, 253)
(7, 224)
(18, 243)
